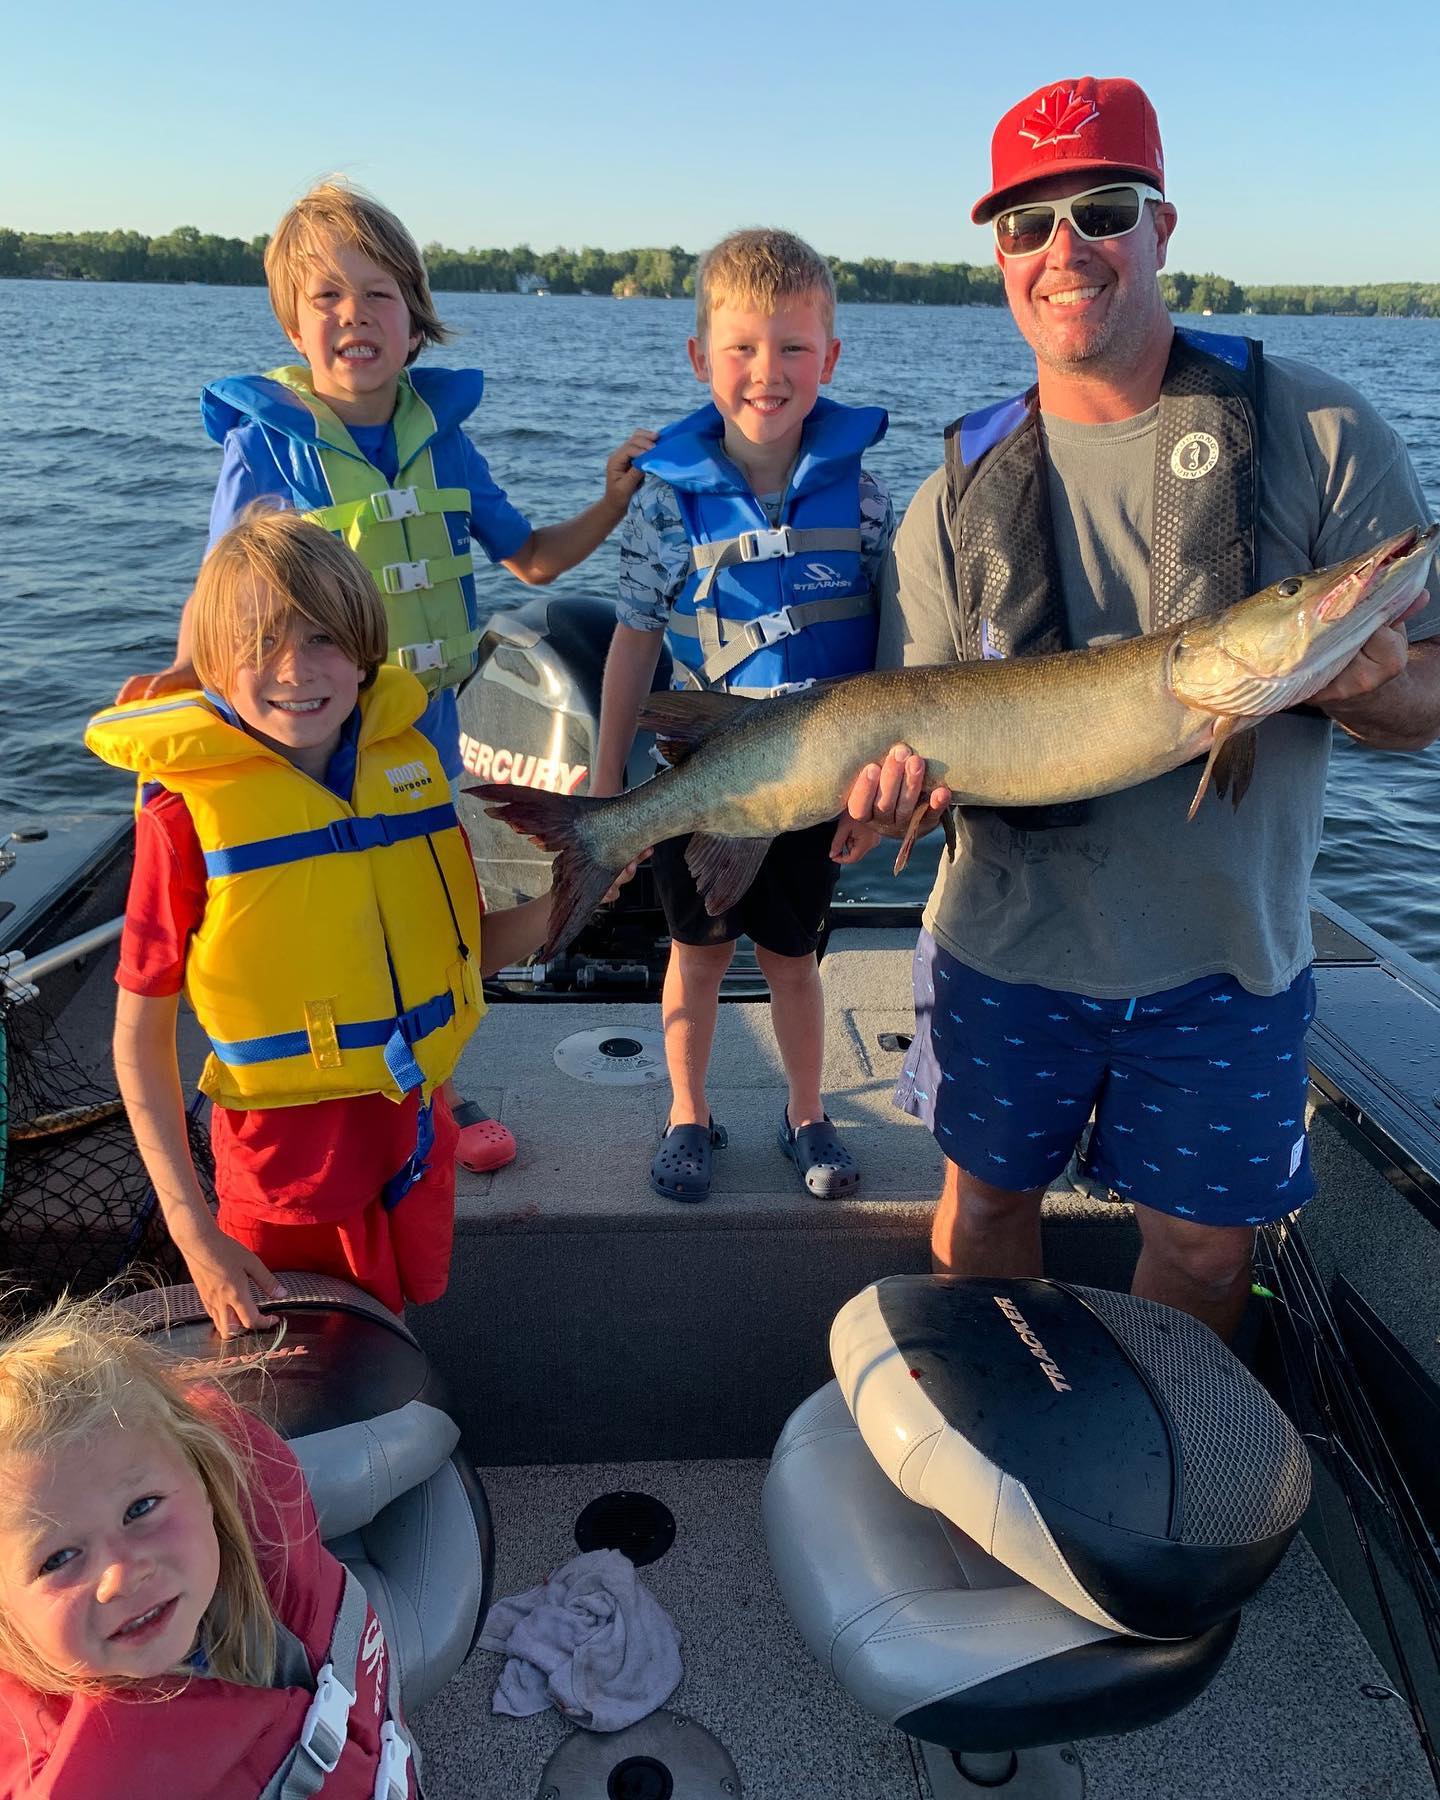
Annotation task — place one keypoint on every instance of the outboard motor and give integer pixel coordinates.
(398, 1500)
(1026, 1512)
(530, 714)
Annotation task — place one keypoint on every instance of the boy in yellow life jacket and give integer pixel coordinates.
(374, 450)
(300, 872)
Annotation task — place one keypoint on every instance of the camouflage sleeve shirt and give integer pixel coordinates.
(655, 549)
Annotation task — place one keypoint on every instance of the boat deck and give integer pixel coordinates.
(1300, 1711)
(596, 1337)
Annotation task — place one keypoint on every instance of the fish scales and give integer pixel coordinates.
(1033, 731)
(1015, 734)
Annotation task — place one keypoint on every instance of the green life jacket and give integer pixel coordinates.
(406, 534)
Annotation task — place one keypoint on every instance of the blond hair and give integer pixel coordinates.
(271, 567)
(757, 269)
(332, 213)
(83, 1368)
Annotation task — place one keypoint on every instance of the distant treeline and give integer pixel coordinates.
(191, 255)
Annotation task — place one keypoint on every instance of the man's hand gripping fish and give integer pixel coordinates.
(1031, 731)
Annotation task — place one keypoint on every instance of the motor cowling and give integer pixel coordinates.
(531, 715)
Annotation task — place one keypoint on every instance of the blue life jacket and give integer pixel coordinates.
(1204, 551)
(768, 607)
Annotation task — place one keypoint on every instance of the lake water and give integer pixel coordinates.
(106, 478)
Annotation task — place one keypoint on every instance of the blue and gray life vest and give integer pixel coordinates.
(1203, 542)
(770, 605)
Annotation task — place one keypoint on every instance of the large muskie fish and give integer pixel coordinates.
(1031, 731)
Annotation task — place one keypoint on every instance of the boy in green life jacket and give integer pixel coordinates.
(374, 450)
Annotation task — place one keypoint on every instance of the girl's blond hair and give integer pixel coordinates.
(270, 568)
(333, 213)
(83, 1368)
(757, 269)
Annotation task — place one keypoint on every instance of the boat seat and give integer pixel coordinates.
(397, 1498)
(1024, 1511)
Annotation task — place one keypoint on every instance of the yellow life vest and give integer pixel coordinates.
(400, 532)
(339, 950)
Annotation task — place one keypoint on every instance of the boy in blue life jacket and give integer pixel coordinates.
(375, 451)
(753, 548)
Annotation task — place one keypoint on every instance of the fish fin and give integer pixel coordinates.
(947, 825)
(912, 834)
(1230, 764)
(675, 750)
(686, 717)
(552, 821)
(724, 867)
(1235, 767)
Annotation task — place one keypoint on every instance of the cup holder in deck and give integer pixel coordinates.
(638, 1525)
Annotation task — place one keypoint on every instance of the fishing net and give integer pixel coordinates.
(76, 1206)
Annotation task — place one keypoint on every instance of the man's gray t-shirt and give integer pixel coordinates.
(1136, 899)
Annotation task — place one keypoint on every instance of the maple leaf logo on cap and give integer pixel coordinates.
(1061, 114)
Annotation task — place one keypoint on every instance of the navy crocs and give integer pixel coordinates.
(826, 1167)
(682, 1166)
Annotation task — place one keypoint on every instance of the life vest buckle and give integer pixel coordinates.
(322, 1736)
(770, 628)
(419, 657)
(405, 577)
(395, 503)
(366, 831)
(391, 1782)
(765, 546)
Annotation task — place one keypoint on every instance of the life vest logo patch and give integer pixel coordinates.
(1195, 455)
(408, 778)
(1061, 114)
(821, 575)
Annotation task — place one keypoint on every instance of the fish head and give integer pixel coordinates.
(1286, 643)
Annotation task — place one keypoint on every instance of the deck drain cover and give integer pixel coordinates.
(664, 1757)
(613, 1058)
(640, 1526)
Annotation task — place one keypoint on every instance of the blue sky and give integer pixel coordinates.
(1300, 138)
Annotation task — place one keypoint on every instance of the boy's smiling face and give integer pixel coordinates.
(298, 699)
(765, 371)
(353, 328)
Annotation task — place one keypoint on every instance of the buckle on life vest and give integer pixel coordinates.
(391, 1782)
(322, 1736)
(760, 633)
(765, 546)
(405, 578)
(369, 831)
(395, 503)
(418, 657)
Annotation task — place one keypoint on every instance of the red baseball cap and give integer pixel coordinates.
(1108, 127)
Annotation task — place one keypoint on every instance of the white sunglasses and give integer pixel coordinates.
(1105, 212)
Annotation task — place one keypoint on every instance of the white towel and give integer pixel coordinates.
(592, 1640)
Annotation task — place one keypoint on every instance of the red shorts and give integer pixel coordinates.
(399, 1256)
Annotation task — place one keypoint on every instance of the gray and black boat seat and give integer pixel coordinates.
(1025, 1512)
(398, 1500)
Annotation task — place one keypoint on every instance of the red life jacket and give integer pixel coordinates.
(209, 1739)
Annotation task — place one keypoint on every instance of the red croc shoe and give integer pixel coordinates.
(485, 1143)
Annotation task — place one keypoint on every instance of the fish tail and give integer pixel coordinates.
(555, 822)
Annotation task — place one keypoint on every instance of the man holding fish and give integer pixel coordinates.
(1107, 954)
